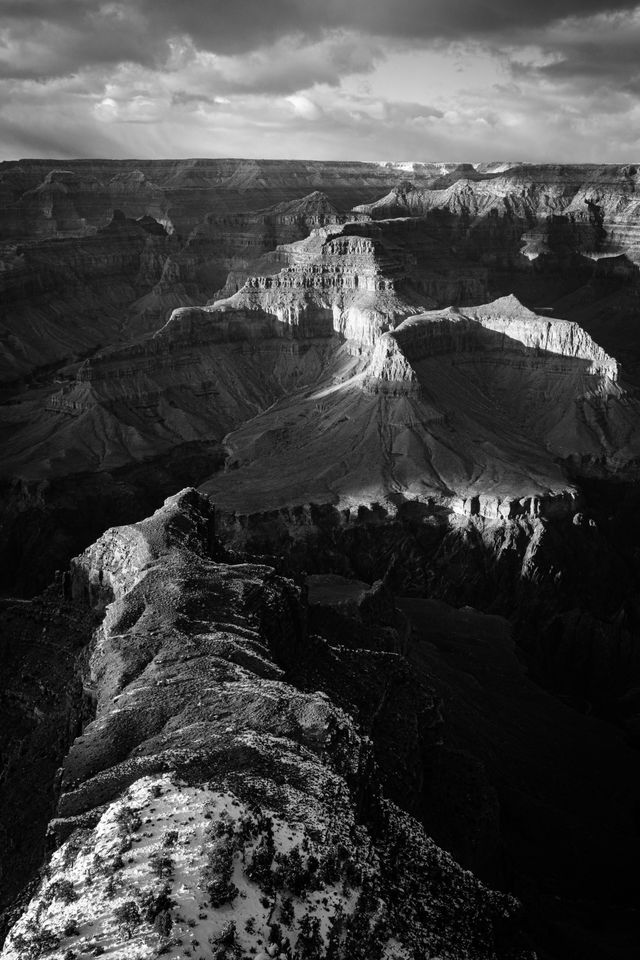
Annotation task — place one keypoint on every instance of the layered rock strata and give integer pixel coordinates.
(476, 408)
(62, 298)
(596, 205)
(42, 197)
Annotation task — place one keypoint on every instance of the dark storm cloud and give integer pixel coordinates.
(603, 54)
(329, 78)
(593, 64)
(78, 33)
(241, 25)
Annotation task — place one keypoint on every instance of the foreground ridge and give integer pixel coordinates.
(212, 806)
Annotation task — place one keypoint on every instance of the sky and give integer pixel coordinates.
(403, 80)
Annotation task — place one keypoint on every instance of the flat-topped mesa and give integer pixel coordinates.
(336, 258)
(518, 331)
(504, 327)
(545, 335)
(340, 279)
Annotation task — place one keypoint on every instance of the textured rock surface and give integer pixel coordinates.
(40, 198)
(561, 237)
(599, 202)
(210, 789)
(474, 407)
(64, 299)
(475, 223)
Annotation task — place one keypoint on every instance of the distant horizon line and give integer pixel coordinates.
(367, 162)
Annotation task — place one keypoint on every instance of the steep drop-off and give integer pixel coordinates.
(211, 792)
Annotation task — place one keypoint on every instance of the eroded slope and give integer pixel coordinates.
(213, 794)
(482, 404)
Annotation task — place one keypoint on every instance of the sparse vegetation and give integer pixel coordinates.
(39, 942)
(161, 864)
(128, 820)
(71, 928)
(287, 914)
(127, 916)
(216, 876)
(259, 868)
(170, 838)
(62, 890)
(163, 923)
(153, 904)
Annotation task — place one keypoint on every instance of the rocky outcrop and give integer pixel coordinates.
(387, 426)
(211, 792)
(220, 219)
(560, 236)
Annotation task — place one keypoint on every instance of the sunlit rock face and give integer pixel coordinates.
(476, 407)
(469, 331)
(219, 218)
(224, 249)
(362, 362)
(339, 279)
(338, 363)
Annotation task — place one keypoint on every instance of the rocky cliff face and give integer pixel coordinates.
(456, 405)
(212, 804)
(232, 246)
(340, 278)
(221, 218)
(42, 198)
(598, 204)
(560, 236)
(475, 223)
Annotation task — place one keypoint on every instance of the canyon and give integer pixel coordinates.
(394, 628)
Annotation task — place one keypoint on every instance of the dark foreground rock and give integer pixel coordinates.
(212, 808)
(527, 791)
